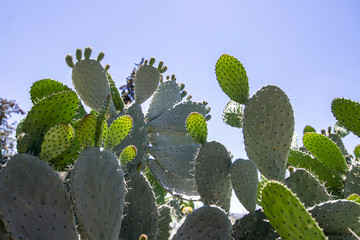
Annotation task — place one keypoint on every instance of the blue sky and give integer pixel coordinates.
(310, 49)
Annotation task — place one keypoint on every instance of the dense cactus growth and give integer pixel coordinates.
(124, 172)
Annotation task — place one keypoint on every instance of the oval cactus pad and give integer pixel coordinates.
(197, 127)
(232, 78)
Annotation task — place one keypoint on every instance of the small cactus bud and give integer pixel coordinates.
(329, 130)
(183, 94)
(182, 86)
(205, 103)
(207, 117)
(323, 132)
(78, 54)
(100, 56)
(161, 63)
(162, 70)
(151, 61)
(208, 109)
(143, 237)
(107, 66)
(173, 77)
(189, 98)
(291, 169)
(167, 77)
(87, 52)
(69, 60)
(146, 62)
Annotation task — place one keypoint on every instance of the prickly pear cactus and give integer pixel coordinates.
(244, 179)
(268, 128)
(140, 213)
(352, 181)
(212, 175)
(31, 207)
(147, 79)
(287, 214)
(197, 127)
(164, 223)
(233, 114)
(232, 78)
(325, 151)
(337, 217)
(44, 88)
(89, 79)
(98, 193)
(207, 222)
(346, 112)
(307, 188)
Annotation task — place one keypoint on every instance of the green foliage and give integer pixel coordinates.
(197, 127)
(346, 112)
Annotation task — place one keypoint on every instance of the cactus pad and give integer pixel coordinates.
(147, 79)
(335, 217)
(118, 130)
(57, 139)
(207, 222)
(197, 127)
(347, 113)
(307, 188)
(352, 181)
(233, 114)
(212, 175)
(268, 128)
(98, 192)
(31, 207)
(287, 214)
(244, 179)
(140, 212)
(44, 88)
(85, 132)
(128, 154)
(326, 151)
(232, 78)
(164, 223)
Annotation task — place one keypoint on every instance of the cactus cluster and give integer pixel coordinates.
(117, 172)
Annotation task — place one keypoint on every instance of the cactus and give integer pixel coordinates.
(98, 193)
(244, 179)
(233, 114)
(352, 181)
(140, 213)
(346, 112)
(287, 214)
(232, 78)
(197, 127)
(268, 128)
(207, 222)
(31, 207)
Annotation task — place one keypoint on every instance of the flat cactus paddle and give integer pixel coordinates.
(207, 222)
(197, 127)
(85, 132)
(118, 130)
(244, 179)
(31, 207)
(268, 128)
(287, 214)
(98, 193)
(233, 114)
(232, 78)
(347, 113)
(352, 181)
(44, 88)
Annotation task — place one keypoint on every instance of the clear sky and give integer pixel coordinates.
(310, 49)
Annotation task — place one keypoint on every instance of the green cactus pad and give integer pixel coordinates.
(354, 197)
(233, 114)
(232, 78)
(98, 193)
(147, 79)
(85, 132)
(57, 139)
(338, 141)
(335, 217)
(347, 113)
(212, 175)
(352, 181)
(207, 222)
(254, 226)
(137, 137)
(31, 207)
(197, 127)
(308, 128)
(178, 160)
(307, 188)
(91, 83)
(164, 223)
(340, 130)
(173, 120)
(332, 179)
(128, 154)
(244, 179)
(116, 97)
(268, 128)
(118, 130)
(165, 97)
(140, 212)
(357, 152)
(44, 88)
(326, 151)
(57, 108)
(174, 184)
(287, 214)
